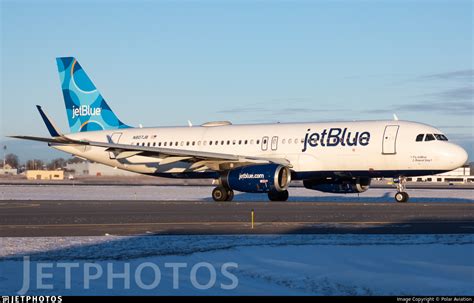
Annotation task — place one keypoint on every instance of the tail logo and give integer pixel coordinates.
(85, 111)
(85, 107)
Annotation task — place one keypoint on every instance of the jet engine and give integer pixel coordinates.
(259, 178)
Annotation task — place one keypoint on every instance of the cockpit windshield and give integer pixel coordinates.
(441, 137)
(431, 137)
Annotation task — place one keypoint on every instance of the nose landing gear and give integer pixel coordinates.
(401, 196)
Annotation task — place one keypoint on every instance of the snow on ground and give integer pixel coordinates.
(268, 264)
(203, 193)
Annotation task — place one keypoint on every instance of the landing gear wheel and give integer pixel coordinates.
(401, 197)
(278, 195)
(230, 195)
(219, 194)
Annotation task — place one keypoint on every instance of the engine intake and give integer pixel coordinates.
(341, 186)
(260, 178)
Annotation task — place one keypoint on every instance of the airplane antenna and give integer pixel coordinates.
(395, 117)
(189, 123)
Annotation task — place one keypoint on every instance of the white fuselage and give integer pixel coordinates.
(369, 148)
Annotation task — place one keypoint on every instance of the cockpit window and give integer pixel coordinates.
(420, 137)
(441, 137)
(429, 137)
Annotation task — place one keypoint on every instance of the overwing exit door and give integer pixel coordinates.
(274, 143)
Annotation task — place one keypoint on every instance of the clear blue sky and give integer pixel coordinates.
(164, 62)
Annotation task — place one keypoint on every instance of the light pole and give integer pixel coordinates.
(4, 155)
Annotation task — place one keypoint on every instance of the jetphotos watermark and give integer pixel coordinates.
(32, 299)
(126, 276)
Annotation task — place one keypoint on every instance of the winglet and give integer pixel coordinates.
(53, 130)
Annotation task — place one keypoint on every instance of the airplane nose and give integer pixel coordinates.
(455, 156)
(462, 156)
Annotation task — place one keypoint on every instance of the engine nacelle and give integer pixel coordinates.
(341, 186)
(259, 178)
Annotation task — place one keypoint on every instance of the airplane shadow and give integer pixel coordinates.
(387, 197)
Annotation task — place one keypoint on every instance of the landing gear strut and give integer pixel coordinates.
(401, 196)
(220, 194)
(278, 195)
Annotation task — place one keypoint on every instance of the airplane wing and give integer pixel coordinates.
(169, 155)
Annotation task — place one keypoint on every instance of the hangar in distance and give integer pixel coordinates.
(334, 157)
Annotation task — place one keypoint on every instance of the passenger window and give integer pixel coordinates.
(429, 137)
(171, 143)
(187, 143)
(246, 141)
(143, 143)
(228, 142)
(289, 141)
(159, 143)
(164, 144)
(176, 143)
(204, 143)
(222, 142)
(194, 142)
(210, 142)
(419, 137)
(182, 143)
(283, 141)
(233, 142)
(138, 143)
(240, 142)
(258, 141)
(251, 141)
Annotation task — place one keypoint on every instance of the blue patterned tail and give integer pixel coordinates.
(86, 109)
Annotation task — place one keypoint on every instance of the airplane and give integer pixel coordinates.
(331, 157)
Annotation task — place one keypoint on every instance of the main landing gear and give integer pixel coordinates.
(220, 194)
(401, 196)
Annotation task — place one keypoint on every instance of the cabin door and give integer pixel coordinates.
(389, 143)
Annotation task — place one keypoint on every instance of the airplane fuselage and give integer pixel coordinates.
(363, 148)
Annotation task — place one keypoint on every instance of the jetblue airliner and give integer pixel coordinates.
(335, 157)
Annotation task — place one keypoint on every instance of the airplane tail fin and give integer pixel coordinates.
(86, 109)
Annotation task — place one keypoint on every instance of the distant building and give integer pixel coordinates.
(8, 170)
(95, 169)
(44, 174)
(464, 174)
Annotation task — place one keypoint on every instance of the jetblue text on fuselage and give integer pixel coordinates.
(85, 110)
(335, 137)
